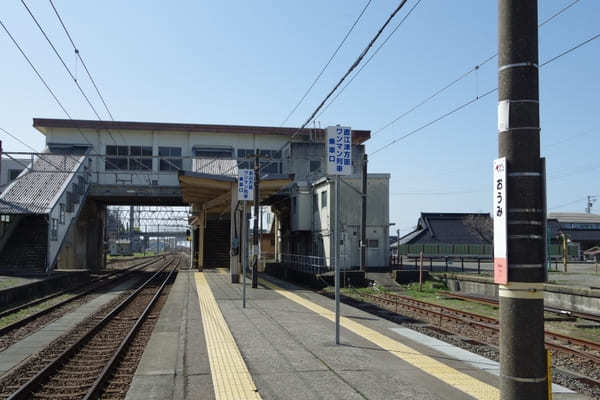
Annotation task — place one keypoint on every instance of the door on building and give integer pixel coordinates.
(353, 240)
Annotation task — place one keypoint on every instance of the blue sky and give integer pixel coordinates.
(241, 62)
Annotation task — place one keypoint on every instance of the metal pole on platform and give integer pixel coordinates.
(522, 355)
(256, 201)
(363, 217)
(244, 244)
(336, 247)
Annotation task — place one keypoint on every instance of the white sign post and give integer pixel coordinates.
(245, 194)
(338, 150)
(500, 226)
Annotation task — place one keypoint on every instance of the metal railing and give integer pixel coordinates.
(305, 263)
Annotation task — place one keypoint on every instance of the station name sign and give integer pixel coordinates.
(500, 226)
(339, 150)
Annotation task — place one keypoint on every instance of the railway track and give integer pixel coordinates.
(22, 327)
(587, 350)
(494, 302)
(81, 364)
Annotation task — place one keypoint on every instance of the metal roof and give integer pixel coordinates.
(42, 124)
(35, 190)
(576, 217)
(210, 166)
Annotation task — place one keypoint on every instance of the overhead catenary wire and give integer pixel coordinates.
(78, 53)
(370, 58)
(44, 82)
(314, 82)
(352, 67)
(65, 66)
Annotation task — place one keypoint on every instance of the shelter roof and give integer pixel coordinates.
(42, 124)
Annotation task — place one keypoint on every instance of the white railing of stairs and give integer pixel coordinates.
(65, 209)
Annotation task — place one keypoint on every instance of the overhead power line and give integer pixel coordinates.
(355, 64)
(78, 53)
(477, 98)
(462, 76)
(35, 70)
(61, 59)
(326, 64)
(370, 58)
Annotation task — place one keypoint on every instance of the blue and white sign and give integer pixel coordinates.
(246, 185)
(339, 150)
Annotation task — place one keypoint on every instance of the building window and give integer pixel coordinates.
(170, 158)
(213, 152)
(61, 215)
(324, 199)
(5, 218)
(315, 165)
(13, 173)
(374, 243)
(54, 229)
(270, 160)
(141, 158)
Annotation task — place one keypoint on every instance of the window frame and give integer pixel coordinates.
(324, 199)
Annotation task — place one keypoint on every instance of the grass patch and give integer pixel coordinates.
(12, 318)
(8, 282)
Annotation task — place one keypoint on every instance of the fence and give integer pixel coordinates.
(308, 264)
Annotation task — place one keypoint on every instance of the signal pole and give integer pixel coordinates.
(522, 355)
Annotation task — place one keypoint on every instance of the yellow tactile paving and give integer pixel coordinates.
(230, 376)
(461, 381)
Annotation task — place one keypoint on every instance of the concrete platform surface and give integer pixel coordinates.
(282, 346)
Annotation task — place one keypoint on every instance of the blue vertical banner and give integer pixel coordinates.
(339, 150)
(246, 185)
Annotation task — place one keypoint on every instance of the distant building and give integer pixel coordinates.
(580, 228)
(445, 234)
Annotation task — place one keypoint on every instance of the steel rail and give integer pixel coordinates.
(17, 324)
(561, 311)
(24, 392)
(404, 301)
(97, 387)
(35, 302)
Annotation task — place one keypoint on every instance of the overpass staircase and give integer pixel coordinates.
(38, 209)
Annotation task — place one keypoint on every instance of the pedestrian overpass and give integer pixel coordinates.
(53, 215)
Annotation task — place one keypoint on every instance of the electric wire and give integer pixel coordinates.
(78, 53)
(369, 59)
(326, 64)
(355, 64)
(35, 70)
(477, 98)
(63, 63)
(462, 76)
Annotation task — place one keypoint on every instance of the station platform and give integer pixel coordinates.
(282, 346)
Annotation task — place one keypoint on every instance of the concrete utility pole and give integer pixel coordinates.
(256, 200)
(363, 223)
(522, 356)
(131, 223)
(588, 209)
